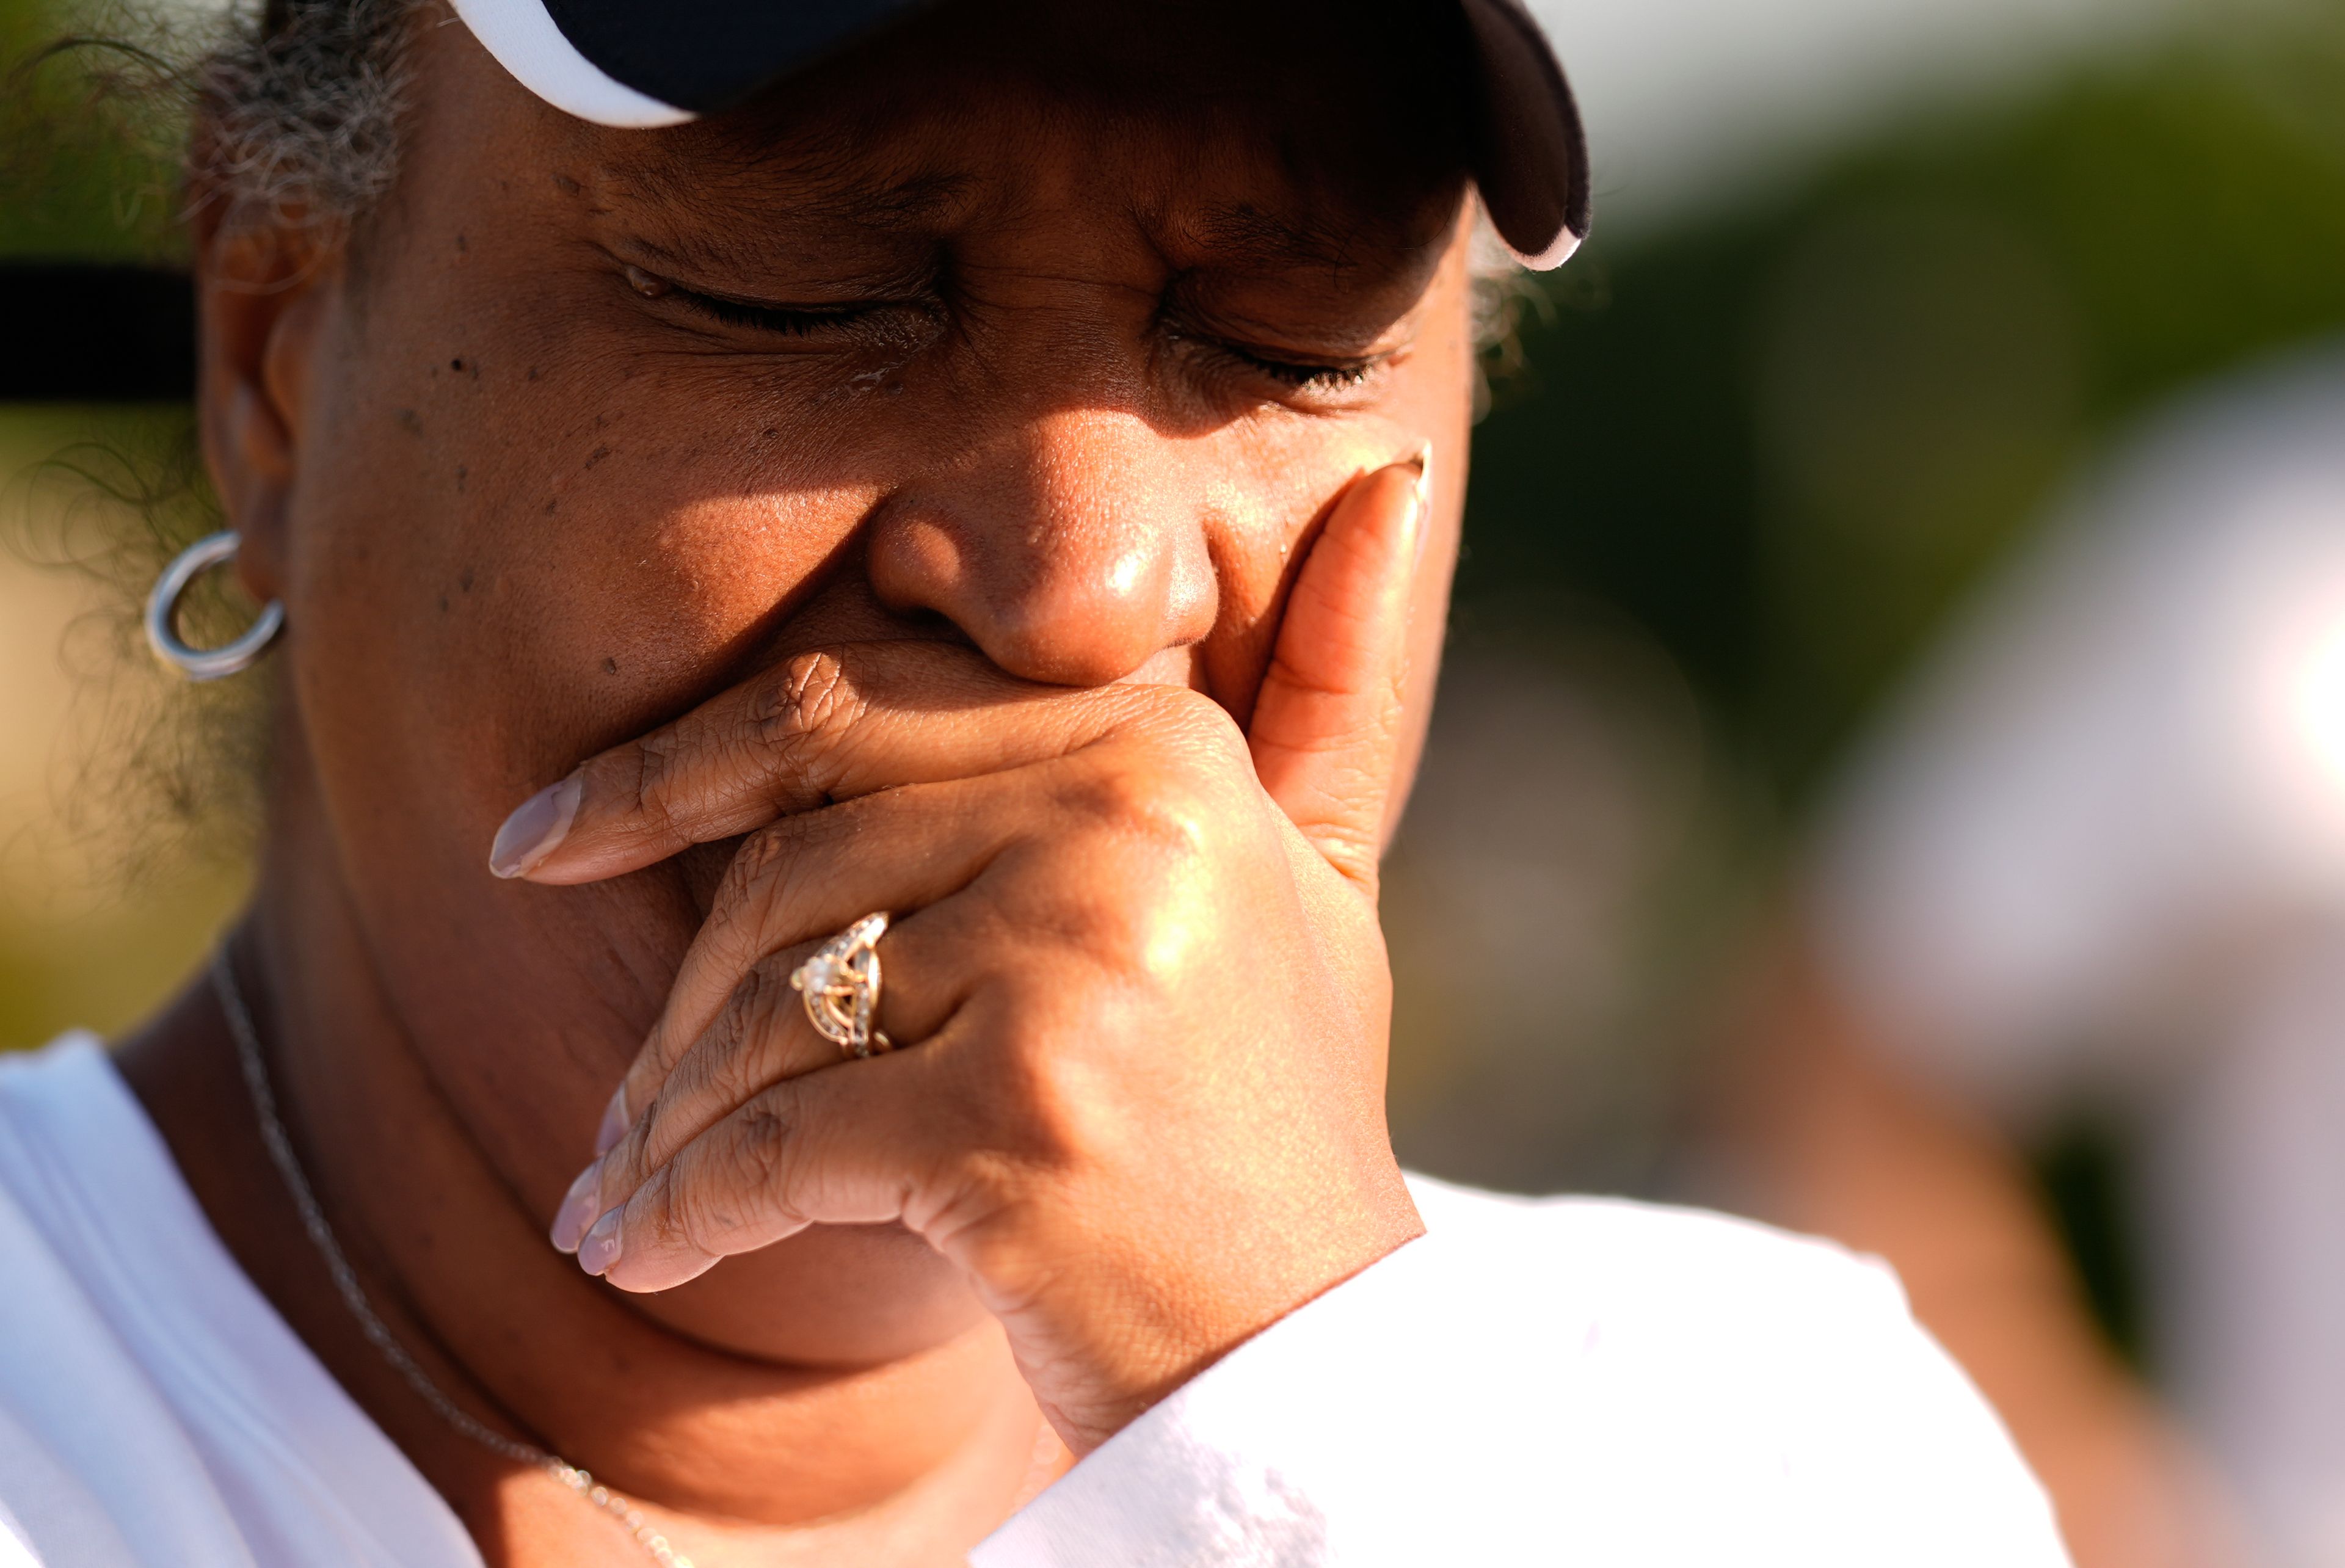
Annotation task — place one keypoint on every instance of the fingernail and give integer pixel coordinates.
(532, 831)
(615, 1122)
(578, 1210)
(600, 1248)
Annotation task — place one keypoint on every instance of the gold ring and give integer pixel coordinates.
(841, 987)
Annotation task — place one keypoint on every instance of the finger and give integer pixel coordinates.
(824, 1148)
(733, 1022)
(822, 727)
(761, 1037)
(1326, 727)
(802, 880)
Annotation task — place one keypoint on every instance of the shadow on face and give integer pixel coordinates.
(1050, 328)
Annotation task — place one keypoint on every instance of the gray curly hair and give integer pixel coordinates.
(296, 111)
(285, 114)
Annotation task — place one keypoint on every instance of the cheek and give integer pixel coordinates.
(526, 571)
(1278, 486)
(491, 575)
(1285, 472)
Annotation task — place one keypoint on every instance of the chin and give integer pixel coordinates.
(837, 1296)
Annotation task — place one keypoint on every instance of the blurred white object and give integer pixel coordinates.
(2102, 859)
(1687, 100)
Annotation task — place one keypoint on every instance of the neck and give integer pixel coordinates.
(925, 1448)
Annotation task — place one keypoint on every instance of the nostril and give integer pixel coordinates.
(1066, 606)
(1073, 551)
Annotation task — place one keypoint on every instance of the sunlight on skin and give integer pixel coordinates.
(611, 429)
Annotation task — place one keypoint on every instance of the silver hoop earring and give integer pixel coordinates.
(230, 658)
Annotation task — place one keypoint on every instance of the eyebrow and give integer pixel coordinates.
(831, 181)
(818, 197)
(825, 184)
(1245, 234)
(912, 202)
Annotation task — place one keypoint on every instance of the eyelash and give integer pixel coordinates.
(1306, 377)
(766, 318)
(776, 318)
(1294, 375)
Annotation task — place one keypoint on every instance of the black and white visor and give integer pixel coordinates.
(622, 63)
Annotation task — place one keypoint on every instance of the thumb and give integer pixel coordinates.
(1326, 725)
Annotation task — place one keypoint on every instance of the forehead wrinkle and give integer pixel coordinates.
(729, 190)
(1245, 238)
(1243, 233)
(823, 179)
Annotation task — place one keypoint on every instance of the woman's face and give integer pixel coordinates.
(1060, 354)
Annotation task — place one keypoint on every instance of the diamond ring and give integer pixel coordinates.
(840, 984)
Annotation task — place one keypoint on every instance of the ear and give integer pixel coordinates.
(263, 295)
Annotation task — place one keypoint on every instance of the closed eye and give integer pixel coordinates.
(881, 324)
(790, 320)
(1307, 375)
(1303, 376)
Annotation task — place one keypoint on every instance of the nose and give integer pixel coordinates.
(1073, 551)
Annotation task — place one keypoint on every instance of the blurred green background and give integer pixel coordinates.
(1749, 452)
(1754, 458)
(105, 896)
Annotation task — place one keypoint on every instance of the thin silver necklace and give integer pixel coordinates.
(354, 1297)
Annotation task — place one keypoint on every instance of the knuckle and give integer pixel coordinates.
(624, 1167)
(750, 1168)
(700, 1214)
(1039, 1106)
(710, 1201)
(1145, 808)
(1156, 848)
(655, 776)
(1135, 941)
(667, 1208)
(1049, 1135)
(761, 878)
(973, 1220)
(736, 1058)
(805, 710)
(763, 855)
(778, 872)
